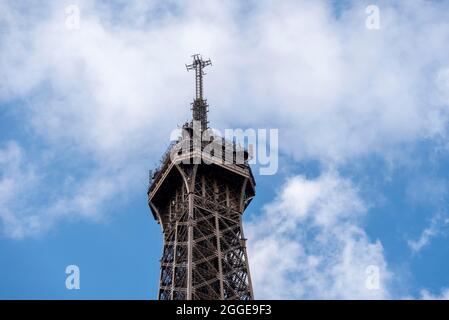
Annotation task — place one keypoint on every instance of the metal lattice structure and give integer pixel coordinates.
(199, 105)
(198, 199)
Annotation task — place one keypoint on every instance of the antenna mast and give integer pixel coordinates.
(199, 105)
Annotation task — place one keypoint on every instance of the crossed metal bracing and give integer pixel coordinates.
(204, 254)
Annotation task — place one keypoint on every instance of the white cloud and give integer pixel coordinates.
(424, 239)
(438, 226)
(23, 212)
(337, 89)
(17, 179)
(426, 295)
(309, 243)
(112, 91)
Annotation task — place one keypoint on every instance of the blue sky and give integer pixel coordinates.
(362, 115)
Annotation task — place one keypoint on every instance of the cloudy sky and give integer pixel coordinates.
(87, 106)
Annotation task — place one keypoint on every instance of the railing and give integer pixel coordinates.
(194, 151)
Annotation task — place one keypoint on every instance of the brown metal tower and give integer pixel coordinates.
(198, 197)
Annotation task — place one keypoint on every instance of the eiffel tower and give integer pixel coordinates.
(198, 199)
